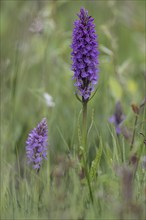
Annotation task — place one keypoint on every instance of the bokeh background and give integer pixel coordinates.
(35, 59)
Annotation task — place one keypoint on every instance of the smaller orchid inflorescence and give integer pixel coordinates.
(36, 145)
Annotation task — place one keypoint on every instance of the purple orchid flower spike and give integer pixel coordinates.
(36, 145)
(84, 55)
(117, 118)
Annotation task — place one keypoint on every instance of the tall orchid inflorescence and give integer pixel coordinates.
(85, 66)
(36, 145)
(84, 55)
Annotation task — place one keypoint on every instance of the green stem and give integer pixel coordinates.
(87, 177)
(84, 143)
(133, 136)
(84, 127)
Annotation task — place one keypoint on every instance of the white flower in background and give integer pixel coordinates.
(37, 26)
(48, 100)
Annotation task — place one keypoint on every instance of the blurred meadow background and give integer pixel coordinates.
(35, 63)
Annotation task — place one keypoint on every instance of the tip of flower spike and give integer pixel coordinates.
(83, 11)
(44, 120)
(83, 14)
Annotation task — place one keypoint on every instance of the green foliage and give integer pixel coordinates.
(35, 59)
(95, 163)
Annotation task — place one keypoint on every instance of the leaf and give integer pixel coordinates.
(106, 50)
(132, 86)
(95, 163)
(124, 66)
(106, 31)
(115, 88)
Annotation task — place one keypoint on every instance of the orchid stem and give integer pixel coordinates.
(84, 143)
(84, 127)
(133, 136)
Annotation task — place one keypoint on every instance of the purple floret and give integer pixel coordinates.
(117, 118)
(36, 144)
(84, 55)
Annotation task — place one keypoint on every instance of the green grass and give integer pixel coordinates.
(34, 63)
